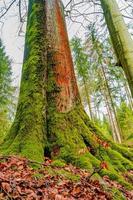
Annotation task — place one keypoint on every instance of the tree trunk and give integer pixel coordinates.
(128, 92)
(117, 133)
(50, 120)
(61, 66)
(28, 132)
(87, 94)
(110, 117)
(121, 39)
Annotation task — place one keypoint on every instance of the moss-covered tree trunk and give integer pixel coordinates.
(121, 38)
(28, 132)
(50, 119)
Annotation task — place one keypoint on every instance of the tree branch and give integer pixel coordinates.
(7, 8)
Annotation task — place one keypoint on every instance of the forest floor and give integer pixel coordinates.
(22, 179)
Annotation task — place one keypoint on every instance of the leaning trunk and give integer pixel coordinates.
(121, 39)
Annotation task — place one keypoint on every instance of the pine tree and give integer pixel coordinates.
(81, 62)
(6, 91)
(125, 117)
(102, 62)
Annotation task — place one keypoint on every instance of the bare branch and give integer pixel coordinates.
(20, 14)
(6, 10)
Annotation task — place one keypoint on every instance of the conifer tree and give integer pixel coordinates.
(6, 91)
(81, 62)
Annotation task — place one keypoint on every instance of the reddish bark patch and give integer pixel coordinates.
(64, 70)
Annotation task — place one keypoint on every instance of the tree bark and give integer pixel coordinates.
(128, 92)
(121, 39)
(50, 120)
(28, 132)
(62, 69)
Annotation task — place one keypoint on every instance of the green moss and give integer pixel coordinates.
(28, 131)
(38, 176)
(96, 176)
(72, 134)
(119, 161)
(125, 151)
(63, 173)
(58, 163)
(30, 147)
(68, 175)
(117, 194)
(84, 162)
(116, 176)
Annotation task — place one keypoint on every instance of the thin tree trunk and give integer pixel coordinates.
(109, 110)
(128, 92)
(110, 117)
(97, 112)
(115, 121)
(88, 99)
(121, 39)
(129, 97)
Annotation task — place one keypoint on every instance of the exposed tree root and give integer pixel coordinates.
(75, 139)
